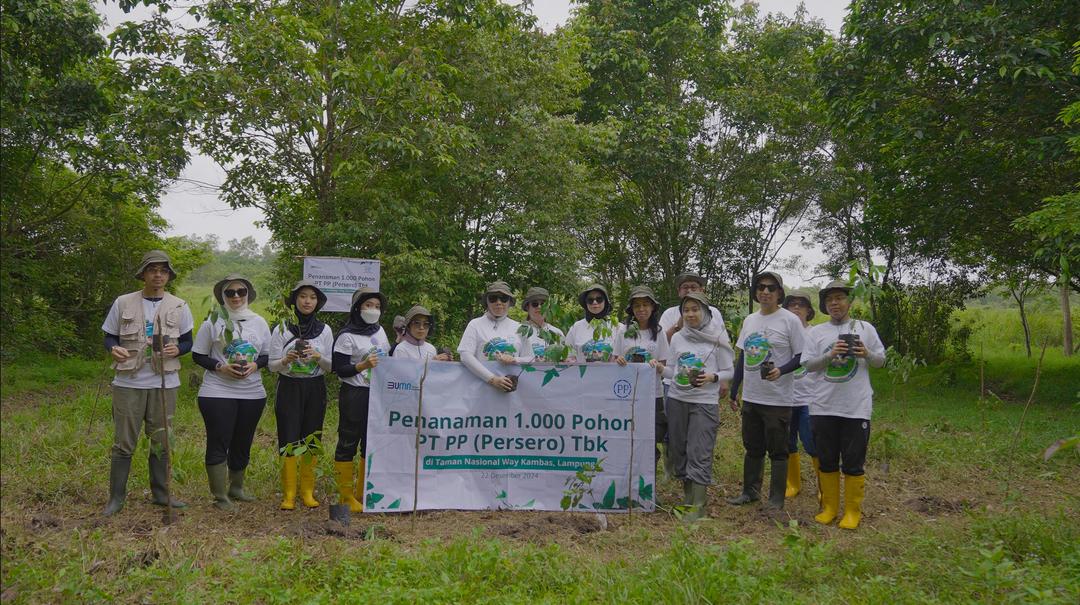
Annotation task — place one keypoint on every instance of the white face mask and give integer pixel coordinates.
(370, 315)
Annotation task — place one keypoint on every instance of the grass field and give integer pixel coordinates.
(960, 508)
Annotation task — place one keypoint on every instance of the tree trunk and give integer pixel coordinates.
(1066, 314)
(1027, 329)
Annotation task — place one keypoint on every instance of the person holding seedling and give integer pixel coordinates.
(771, 343)
(803, 390)
(232, 345)
(414, 345)
(357, 350)
(642, 341)
(491, 337)
(146, 332)
(300, 355)
(701, 363)
(537, 335)
(593, 338)
(843, 349)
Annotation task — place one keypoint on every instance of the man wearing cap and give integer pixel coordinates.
(134, 321)
(804, 391)
(770, 344)
(842, 349)
(671, 319)
(492, 336)
(533, 343)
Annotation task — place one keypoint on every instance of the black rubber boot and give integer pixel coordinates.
(753, 468)
(236, 487)
(158, 473)
(118, 476)
(777, 484)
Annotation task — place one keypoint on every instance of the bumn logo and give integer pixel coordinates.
(622, 388)
(401, 386)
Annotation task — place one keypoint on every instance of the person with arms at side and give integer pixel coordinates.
(414, 345)
(134, 320)
(232, 396)
(803, 389)
(491, 337)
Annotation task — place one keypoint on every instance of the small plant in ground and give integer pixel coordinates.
(579, 484)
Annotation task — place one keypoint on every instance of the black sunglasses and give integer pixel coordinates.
(498, 298)
(230, 293)
(535, 304)
(595, 300)
(421, 324)
(769, 287)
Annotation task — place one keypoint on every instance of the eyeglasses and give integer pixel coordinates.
(535, 304)
(767, 287)
(493, 298)
(241, 292)
(595, 300)
(421, 324)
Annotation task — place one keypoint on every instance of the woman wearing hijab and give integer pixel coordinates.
(232, 397)
(583, 337)
(413, 343)
(491, 336)
(533, 344)
(357, 350)
(300, 355)
(702, 361)
(642, 341)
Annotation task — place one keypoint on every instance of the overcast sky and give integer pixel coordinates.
(193, 208)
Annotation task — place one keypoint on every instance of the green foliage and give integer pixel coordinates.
(579, 485)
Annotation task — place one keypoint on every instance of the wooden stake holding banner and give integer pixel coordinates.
(158, 349)
(416, 462)
(630, 470)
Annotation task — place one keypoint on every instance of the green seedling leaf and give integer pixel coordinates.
(528, 368)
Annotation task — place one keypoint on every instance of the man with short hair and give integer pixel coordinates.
(671, 320)
(146, 332)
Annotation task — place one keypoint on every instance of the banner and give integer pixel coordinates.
(339, 277)
(480, 448)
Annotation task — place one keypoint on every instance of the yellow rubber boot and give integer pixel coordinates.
(794, 478)
(307, 481)
(830, 497)
(344, 471)
(854, 490)
(359, 492)
(288, 482)
(817, 476)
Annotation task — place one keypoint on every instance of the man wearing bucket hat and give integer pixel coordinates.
(533, 341)
(642, 341)
(685, 283)
(803, 389)
(587, 344)
(300, 354)
(133, 322)
(415, 345)
(357, 350)
(232, 397)
(492, 336)
(842, 349)
(771, 343)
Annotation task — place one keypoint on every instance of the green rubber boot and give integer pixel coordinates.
(218, 476)
(118, 476)
(699, 498)
(236, 486)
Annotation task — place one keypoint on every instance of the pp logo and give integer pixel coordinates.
(622, 389)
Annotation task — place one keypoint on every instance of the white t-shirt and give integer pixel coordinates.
(776, 337)
(282, 341)
(358, 347)
(408, 350)
(644, 345)
(485, 338)
(145, 378)
(671, 315)
(805, 382)
(706, 357)
(532, 347)
(844, 386)
(587, 348)
(254, 335)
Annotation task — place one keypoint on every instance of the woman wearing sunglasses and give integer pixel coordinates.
(492, 336)
(583, 337)
(414, 344)
(357, 349)
(232, 397)
(533, 345)
(300, 355)
(642, 340)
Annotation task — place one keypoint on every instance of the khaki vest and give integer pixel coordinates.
(133, 330)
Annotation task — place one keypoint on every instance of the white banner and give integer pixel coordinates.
(485, 449)
(339, 277)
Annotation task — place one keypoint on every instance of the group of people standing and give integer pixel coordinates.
(798, 382)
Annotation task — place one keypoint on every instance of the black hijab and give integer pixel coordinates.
(356, 323)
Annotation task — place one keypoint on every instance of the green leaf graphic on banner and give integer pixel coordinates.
(394, 505)
(644, 491)
(550, 374)
(373, 499)
(501, 495)
(528, 368)
(370, 485)
(609, 497)
(623, 503)
(582, 370)
(529, 504)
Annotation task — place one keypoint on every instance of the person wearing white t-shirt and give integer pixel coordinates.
(300, 355)
(134, 321)
(414, 344)
(842, 349)
(700, 363)
(804, 389)
(770, 344)
(539, 333)
(640, 340)
(491, 337)
(231, 397)
(589, 343)
(359, 346)
(671, 319)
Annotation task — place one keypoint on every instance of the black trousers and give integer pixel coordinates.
(841, 443)
(352, 422)
(765, 429)
(230, 429)
(661, 421)
(300, 409)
